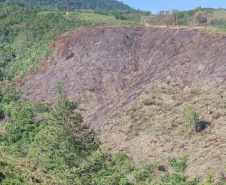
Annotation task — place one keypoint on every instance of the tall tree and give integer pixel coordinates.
(175, 15)
(68, 138)
(201, 17)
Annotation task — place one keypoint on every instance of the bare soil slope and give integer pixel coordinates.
(136, 85)
(107, 68)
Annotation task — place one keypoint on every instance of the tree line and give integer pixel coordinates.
(109, 5)
(197, 16)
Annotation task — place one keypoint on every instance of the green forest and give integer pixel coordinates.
(49, 144)
(73, 4)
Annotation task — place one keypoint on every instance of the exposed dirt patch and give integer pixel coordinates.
(147, 77)
(107, 68)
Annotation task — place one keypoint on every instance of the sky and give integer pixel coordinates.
(157, 5)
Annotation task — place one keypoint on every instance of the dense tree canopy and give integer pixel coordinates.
(75, 4)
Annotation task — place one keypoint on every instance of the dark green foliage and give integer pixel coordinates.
(201, 125)
(27, 34)
(59, 144)
(20, 117)
(184, 16)
(25, 31)
(20, 124)
(76, 4)
(178, 166)
(119, 16)
(177, 179)
(2, 177)
(218, 22)
(70, 140)
(40, 144)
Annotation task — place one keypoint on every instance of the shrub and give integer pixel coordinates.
(178, 166)
(192, 116)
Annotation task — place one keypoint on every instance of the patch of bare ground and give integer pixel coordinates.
(111, 66)
(135, 85)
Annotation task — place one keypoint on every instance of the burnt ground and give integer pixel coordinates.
(109, 67)
(136, 83)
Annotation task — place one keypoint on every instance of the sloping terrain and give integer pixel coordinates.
(148, 78)
(107, 68)
(76, 4)
(137, 84)
(155, 128)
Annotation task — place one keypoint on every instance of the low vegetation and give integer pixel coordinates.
(49, 143)
(45, 145)
(192, 127)
(26, 35)
(215, 19)
(70, 5)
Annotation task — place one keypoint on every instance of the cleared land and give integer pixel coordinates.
(135, 84)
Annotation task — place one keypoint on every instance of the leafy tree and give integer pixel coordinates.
(78, 4)
(119, 16)
(201, 17)
(68, 138)
(21, 125)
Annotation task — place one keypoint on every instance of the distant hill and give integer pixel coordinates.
(109, 5)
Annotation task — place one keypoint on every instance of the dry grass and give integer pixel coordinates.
(219, 14)
(157, 130)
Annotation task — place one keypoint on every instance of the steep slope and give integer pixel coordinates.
(137, 84)
(155, 128)
(107, 68)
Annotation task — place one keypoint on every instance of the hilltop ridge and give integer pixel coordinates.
(109, 5)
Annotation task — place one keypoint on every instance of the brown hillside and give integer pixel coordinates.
(155, 128)
(148, 77)
(108, 67)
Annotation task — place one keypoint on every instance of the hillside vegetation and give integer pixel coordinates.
(27, 34)
(111, 5)
(206, 17)
(66, 98)
(170, 121)
(177, 119)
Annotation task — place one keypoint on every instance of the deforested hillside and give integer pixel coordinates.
(155, 93)
(107, 68)
(98, 97)
(171, 121)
